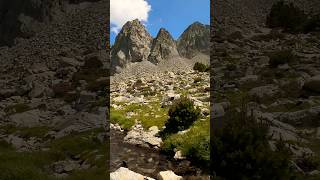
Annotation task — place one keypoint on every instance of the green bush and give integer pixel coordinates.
(181, 116)
(242, 147)
(281, 57)
(200, 67)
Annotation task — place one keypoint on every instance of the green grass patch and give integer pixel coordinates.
(194, 144)
(119, 118)
(148, 114)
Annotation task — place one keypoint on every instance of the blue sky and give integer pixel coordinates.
(173, 15)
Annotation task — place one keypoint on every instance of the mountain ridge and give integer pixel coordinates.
(157, 49)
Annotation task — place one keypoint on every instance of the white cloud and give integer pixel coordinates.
(123, 11)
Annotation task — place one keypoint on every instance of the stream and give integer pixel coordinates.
(146, 161)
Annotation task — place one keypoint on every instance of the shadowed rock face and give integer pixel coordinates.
(194, 40)
(132, 44)
(163, 47)
(23, 18)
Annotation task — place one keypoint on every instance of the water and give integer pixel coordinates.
(145, 161)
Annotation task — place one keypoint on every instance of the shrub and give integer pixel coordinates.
(242, 147)
(200, 67)
(181, 116)
(281, 57)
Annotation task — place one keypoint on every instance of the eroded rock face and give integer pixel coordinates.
(195, 39)
(132, 44)
(163, 47)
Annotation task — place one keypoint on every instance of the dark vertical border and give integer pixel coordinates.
(107, 43)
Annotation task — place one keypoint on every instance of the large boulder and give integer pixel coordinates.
(163, 47)
(168, 175)
(126, 174)
(138, 136)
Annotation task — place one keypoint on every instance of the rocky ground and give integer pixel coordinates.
(285, 95)
(139, 106)
(53, 99)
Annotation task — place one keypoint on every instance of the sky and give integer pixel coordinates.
(173, 15)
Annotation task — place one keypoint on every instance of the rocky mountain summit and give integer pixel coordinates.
(134, 44)
(163, 46)
(194, 40)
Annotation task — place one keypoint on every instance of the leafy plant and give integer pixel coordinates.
(200, 67)
(182, 114)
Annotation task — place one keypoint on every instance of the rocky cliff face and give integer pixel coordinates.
(163, 47)
(194, 40)
(24, 18)
(132, 44)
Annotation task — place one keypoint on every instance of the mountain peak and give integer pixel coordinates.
(132, 44)
(163, 47)
(194, 40)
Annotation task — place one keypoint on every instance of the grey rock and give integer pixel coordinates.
(313, 84)
(195, 39)
(132, 44)
(163, 46)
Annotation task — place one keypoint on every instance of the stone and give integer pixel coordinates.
(178, 156)
(163, 47)
(70, 61)
(217, 110)
(143, 138)
(313, 84)
(264, 91)
(37, 90)
(126, 174)
(168, 175)
(28, 119)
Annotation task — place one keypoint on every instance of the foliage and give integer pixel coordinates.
(118, 118)
(200, 67)
(182, 114)
(242, 147)
(194, 144)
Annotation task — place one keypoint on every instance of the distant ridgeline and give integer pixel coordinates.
(135, 44)
(23, 18)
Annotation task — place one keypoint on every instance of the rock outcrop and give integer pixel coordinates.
(194, 40)
(132, 44)
(163, 47)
